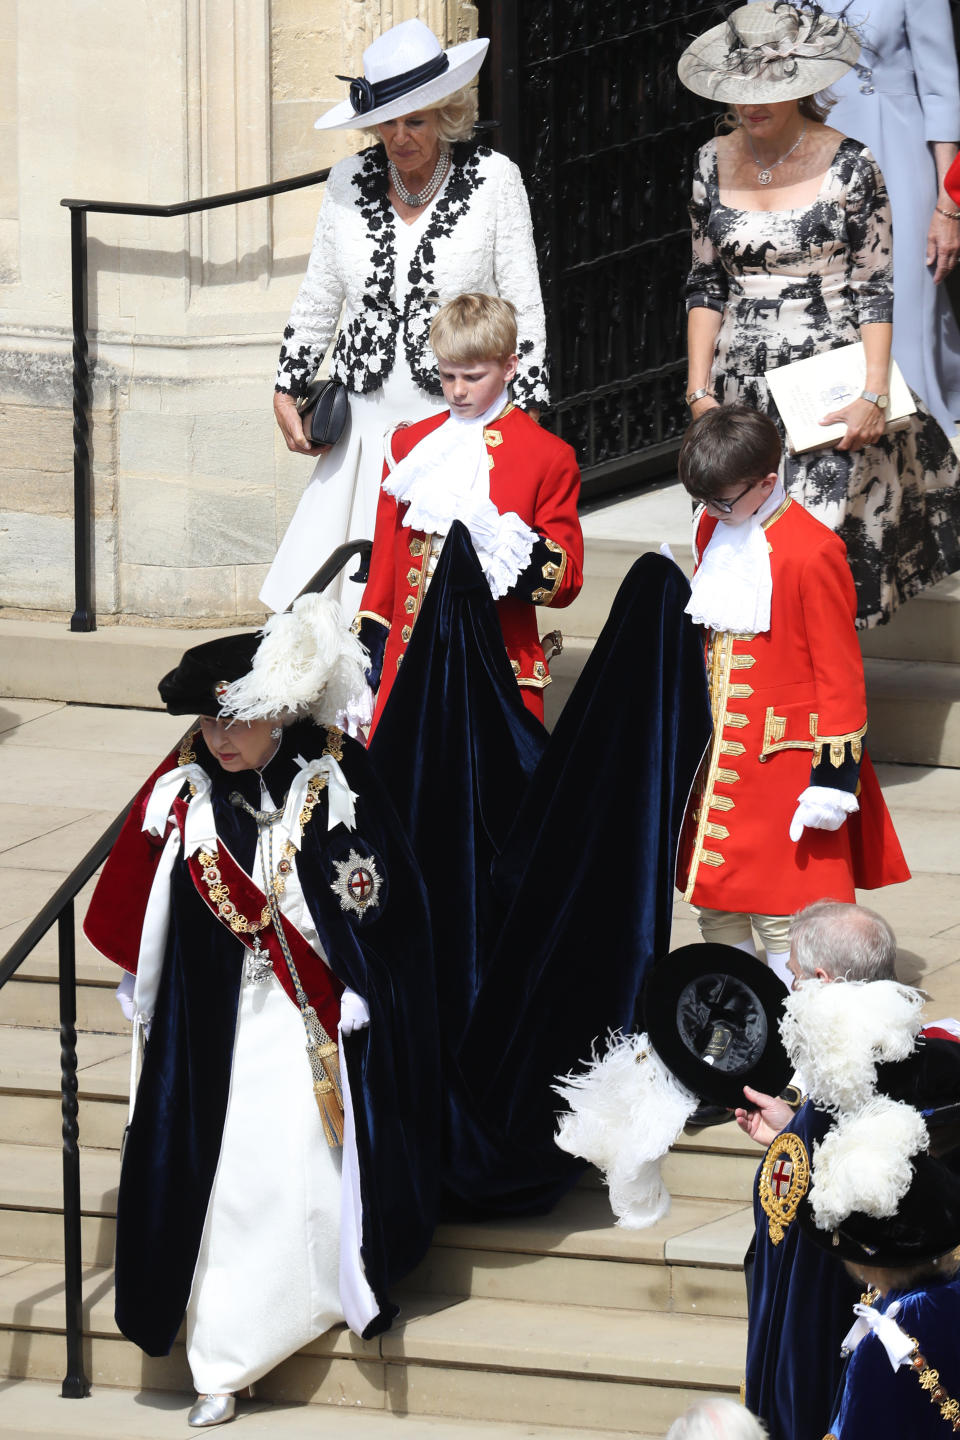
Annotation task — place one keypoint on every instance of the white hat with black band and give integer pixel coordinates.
(406, 69)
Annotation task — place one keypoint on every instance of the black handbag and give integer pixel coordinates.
(323, 411)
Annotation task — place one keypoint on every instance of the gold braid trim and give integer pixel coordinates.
(838, 745)
(368, 615)
(553, 572)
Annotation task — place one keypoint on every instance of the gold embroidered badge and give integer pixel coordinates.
(784, 1178)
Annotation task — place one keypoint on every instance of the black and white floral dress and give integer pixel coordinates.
(390, 279)
(791, 283)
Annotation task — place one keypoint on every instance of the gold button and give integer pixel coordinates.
(416, 547)
(405, 633)
(410, 604)
(413, 577)
(515, 666)
(399, 658)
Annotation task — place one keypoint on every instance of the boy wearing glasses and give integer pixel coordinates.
(786, 808)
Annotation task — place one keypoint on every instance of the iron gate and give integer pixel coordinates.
(591, 110)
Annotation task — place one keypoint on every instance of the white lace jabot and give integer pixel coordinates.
(732, 588)
(446, 478)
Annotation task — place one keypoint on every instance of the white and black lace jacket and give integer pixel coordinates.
(479, 237)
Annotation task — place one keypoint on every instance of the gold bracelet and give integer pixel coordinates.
(948, 214)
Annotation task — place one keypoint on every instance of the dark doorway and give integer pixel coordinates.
(589, 106)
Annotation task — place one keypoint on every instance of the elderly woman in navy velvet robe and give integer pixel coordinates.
(265, 896)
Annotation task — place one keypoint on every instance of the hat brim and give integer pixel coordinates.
(764, 1065)
(190, 688)
(926, 1225)
(465, 60)
(700, 68)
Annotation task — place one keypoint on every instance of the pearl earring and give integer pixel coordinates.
(276, 732)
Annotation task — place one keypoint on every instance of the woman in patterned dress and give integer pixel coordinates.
(423, 216)
(792, 255)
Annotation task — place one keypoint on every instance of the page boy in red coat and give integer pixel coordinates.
(489, 465)
(787, 808)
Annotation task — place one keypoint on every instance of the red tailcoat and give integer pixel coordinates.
(531, 472)
(782, 701)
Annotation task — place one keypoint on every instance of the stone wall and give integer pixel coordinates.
(193, 485)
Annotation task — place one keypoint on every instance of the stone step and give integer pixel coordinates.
(32, 1408)
(34, 1002)
(914, 711)
(690, 1261)
(926, 628)
(115, 665)
(474, 1358)
(30, 1087)
(27, 1119)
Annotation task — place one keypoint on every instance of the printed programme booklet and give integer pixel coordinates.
(809, 389)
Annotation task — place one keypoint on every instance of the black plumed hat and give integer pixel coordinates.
(928, 1079)
(195, 685)
(925, 1226)
(926, 1222)
(712, 1013)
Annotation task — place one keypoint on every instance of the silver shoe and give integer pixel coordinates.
(212, 1410)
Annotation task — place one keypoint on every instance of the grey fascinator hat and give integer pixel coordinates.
(767, 52)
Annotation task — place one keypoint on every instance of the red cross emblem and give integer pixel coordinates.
(780, 1178)
(360, 884)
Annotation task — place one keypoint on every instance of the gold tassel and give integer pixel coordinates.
(331, 1112)
(325, 1066)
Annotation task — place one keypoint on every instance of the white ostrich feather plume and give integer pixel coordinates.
(626, 1110)
(864, 1164)
(308, 663)
(837, 1031)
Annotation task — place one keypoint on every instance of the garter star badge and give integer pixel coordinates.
(357, 884)
(784, 1178)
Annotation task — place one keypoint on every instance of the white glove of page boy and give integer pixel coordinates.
(820, 808)
(354, 1012)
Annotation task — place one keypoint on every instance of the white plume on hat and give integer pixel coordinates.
(308, 663)
(864, 1165)
(836, 1032)
(626, 1110)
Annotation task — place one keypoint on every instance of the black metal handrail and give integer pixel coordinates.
(84, 617)
(59, 910)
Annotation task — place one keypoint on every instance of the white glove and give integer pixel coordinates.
(124, 993)
(820, 808)
(354, 1012)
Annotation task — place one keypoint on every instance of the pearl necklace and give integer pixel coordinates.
(764, 176)
(421, 197)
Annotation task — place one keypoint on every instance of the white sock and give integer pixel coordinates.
(747, 946)
(777, 962)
